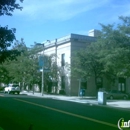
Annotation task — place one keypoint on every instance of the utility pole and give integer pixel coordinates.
(56, 87)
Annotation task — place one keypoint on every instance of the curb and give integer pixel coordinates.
(79, 100)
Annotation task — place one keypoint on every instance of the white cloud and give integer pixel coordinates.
(57, 9)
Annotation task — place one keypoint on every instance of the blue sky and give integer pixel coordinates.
(42, 20)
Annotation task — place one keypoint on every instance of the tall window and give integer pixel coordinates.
(63, 60)
(62, 82)
(121, 84)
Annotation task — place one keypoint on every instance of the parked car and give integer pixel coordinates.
(12, 88)
(114, 94)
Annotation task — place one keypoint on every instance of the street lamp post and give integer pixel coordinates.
(43, 73)
(42, 65)
(56, 66)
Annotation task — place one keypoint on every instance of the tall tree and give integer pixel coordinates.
(115, 48)
(13, 66)
(7, 36)
(86, 64)
(25, 68)
(109, 56)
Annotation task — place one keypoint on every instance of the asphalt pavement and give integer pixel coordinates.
(86, 100)
(26, 112)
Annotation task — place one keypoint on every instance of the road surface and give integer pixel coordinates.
(22, 112)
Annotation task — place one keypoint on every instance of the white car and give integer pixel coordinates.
(12, 89)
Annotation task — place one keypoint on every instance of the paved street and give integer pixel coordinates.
(24, 112)
(121, 104)
(124, 104)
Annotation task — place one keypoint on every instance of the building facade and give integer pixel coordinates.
(64, 49)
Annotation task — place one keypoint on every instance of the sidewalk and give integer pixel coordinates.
(86, 100)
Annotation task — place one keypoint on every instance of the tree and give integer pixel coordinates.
(8, 6)
(51, 77)
(12, 66)
(6, 39)
(4, 75)
(7, 36)
(86, 64)
(115, 48)
(109, 56)
(25, 68)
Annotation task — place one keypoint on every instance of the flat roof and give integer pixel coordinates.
(68, 38)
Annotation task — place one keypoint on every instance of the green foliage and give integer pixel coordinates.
(25, 68)
(86, 63)
(109, 56)
(4, 77)
(8, 6)
(115, 48)
(7, 36)
(6, 39)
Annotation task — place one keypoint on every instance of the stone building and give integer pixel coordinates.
(63, 48)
